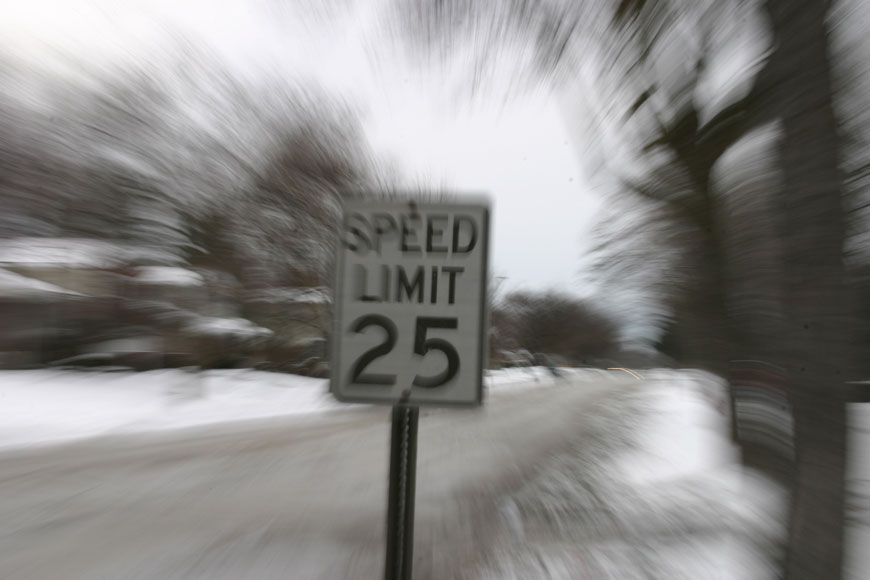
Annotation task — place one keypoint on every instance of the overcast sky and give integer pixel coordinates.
(517, 152)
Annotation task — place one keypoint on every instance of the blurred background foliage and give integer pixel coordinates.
(159, 199)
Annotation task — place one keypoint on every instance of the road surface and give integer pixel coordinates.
(288, 499)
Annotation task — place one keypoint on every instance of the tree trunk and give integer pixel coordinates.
(819, 341)
(701, 315)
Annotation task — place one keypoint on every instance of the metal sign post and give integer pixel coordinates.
(410, 328)
(400, 503)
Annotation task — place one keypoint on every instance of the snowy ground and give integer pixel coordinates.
(648, 488)
(44, 406)
(651, 490)
(654, 490)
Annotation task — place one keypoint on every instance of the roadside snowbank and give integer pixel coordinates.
(54, 405)
(650, 489)
(45, 406)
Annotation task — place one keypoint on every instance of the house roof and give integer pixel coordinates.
(19, 287)
(72, 253)
(168, 276)
(215, 326)
(312, 295)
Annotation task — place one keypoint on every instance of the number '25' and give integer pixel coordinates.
(422, 345)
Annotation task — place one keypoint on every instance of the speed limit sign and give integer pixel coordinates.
(410, 303)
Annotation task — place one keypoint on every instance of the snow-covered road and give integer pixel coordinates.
(276, 498)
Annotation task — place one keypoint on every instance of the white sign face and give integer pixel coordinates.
(410, 303)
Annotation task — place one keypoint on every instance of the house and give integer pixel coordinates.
(80, 300)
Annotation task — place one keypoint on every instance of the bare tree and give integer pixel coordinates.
(655, 70)
(558, 324)
(282, 231)
(638, 269)
(177, 153)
